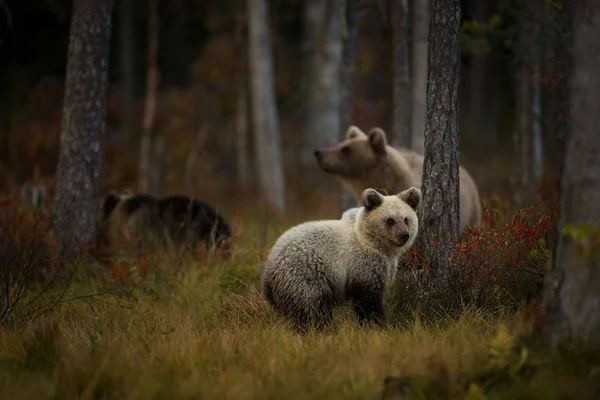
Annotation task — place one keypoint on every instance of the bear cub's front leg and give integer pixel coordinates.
(367, 302)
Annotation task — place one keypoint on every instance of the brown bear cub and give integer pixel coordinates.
(367, 161)
(179, 220)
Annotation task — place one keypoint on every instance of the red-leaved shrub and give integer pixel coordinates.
(498, 265)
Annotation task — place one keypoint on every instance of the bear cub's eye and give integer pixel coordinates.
(390, 221)
(406, 221)
(346, 150)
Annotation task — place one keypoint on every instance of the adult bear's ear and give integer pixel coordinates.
(412, 197)
(378, 140)
(109, 204)
(354, 132)
(371, 199)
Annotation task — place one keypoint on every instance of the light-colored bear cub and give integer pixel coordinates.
(317, 265)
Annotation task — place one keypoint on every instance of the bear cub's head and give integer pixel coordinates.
(390, 223)
(356, 156)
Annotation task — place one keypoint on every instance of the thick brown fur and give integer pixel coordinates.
(367, 161)
(179, 219)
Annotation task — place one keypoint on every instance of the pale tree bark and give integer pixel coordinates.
(348, 72)
(401, 72)
(439, 212)
(420, 37)
(264, 107)
(127, 60)
(323, 99)
(572, 291)
(83, 125)
(144, 173)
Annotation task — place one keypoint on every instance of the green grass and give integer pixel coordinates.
(208, 334)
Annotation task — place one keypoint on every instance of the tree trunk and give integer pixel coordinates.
(439, 213)
(241, 108)
(562, 45)
(401, 72)
(529, 127)
(241, 135)
(484, 132)
(324, 97)
(127, 59)
(83, 125)
(419, 73)
(150, 101)
(264, 107)
(157, 187)
(572, 291)
(348, 71)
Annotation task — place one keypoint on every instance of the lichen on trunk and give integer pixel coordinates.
(83, 124)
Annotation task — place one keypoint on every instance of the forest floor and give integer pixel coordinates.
(206, 333)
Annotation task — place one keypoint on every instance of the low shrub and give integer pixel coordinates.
(31, 270)
(496, 266)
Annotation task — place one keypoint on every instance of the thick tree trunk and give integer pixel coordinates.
(150, 100)
(572, 291)
(439, 213)
(264, 107)
(324, 86)
(420, 54)
(348, 71)
(127, 60)
(83, 124)
(401, 72)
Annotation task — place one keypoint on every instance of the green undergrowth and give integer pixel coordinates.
(198, 328)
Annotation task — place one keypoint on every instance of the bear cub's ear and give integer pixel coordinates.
(371, 199)
(378, 140)
(354, 132)
(412, 197)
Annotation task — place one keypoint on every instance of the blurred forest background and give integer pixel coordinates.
(192, 119)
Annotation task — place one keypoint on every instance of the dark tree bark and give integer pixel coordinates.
(127, 61)
(150, 100)
(478, 79)
(562, 45)
(572, 287)
(401, 72)
(439, 213)
(348, 71)
(528, 129)
(83, 124)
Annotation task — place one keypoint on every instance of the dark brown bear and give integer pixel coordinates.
(176, 219)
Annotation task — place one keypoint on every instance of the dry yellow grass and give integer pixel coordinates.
(209, 335)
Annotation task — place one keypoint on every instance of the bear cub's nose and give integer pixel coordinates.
(318, 154)
(404, 238)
